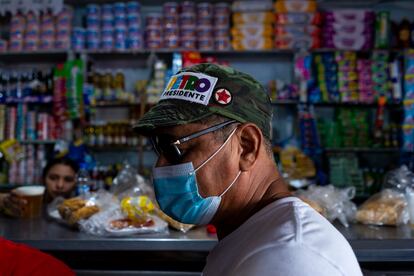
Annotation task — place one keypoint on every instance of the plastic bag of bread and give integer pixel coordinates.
(133, 215)
(331, 202)
(71, 211)
(388, 207)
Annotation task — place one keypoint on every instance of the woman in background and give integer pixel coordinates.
(59, 177)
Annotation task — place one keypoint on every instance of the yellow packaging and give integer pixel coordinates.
(252, 30)
(137, 208)
(252, 44)
(282, 6)
(253, 17)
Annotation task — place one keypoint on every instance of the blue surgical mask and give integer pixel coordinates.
(177, 193)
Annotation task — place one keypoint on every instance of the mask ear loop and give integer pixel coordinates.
(217, 151)
(228, 188)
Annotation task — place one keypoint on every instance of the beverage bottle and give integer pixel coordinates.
(83, 181)
(404, 34)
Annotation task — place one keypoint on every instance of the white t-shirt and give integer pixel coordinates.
(286, 238)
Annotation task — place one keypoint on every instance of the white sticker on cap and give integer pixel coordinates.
(191, 87)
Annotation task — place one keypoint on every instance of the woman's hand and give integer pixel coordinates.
(12, 204)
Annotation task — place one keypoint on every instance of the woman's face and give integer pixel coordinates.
(60, 180)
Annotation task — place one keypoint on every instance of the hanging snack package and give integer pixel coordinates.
(388, 207)
(12, 150)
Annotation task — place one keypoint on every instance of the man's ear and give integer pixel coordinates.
(250, 138)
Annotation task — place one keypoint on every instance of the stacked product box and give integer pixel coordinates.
(347, 76)
(408, 124)
(153, 31)
(111, 27)
(29, 169)
(20, 124)
(64, 29)
(252, 25)
(297, 25)
(327, 78)
(32, 32)
(348, 29)
(366, 93)
(380, 74)
(47, 32)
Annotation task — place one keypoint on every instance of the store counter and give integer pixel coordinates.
(176, 251)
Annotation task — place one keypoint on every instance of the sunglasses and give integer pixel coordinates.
(169, 149)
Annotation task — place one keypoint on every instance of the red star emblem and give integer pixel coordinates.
(223, 96)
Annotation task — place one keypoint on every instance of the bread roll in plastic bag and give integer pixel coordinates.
(388, 207)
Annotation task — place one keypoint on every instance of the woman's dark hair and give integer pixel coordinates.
(59, 161)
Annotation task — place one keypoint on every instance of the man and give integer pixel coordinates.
(212, 131)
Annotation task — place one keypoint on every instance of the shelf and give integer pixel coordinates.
(38, 142)
(334, 104)
(115, 104)
(29, 100)
(367, 150)
(35, 56)
(117, 148)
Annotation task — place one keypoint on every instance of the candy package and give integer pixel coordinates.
(335, 203)
(388, 207)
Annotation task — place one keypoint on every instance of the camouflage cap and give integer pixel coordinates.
(202, 90)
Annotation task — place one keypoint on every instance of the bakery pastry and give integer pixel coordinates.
(75, 209)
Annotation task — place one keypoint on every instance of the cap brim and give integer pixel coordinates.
(170, 113)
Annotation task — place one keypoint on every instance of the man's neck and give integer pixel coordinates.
(269, 190)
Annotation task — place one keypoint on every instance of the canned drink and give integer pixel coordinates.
(153, 19)
(205, 44)
(187, 19)
(206, 21)
(153, 33)
(93, 44)
(187, 31)
(133, 7)
(93, 9)
(187, 7)
(134, 32)
(204, 31)
(134, 44)
(154, 43)
(62, 44)
(204, 9)
(188, 43)
(222, 9)
(120, 44)
(92, 22)
(221, 32)
(171, 42)
(170, 20)
(78, 44)
(221, 20)
(134, 19)
(107, 44)
(106, 9)
(31, 45)
(221, 44)
(119, 8)
(171, 31)
(170, 8)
